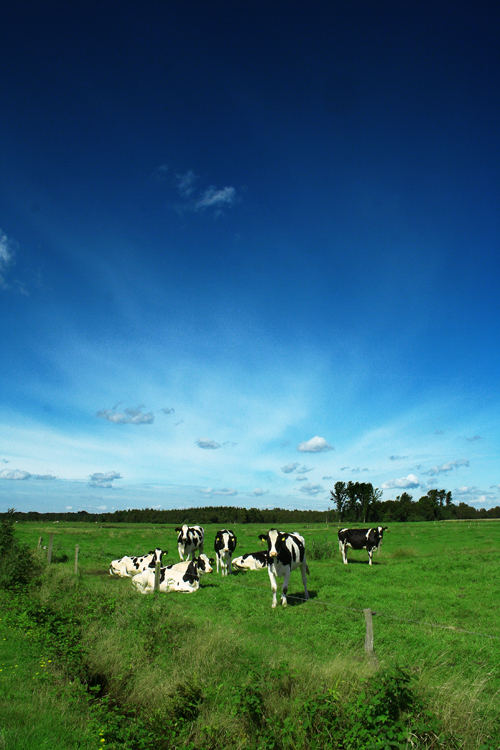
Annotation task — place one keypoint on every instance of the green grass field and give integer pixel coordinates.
(232, 669)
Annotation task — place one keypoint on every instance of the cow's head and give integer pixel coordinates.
(381, 529)
(275, 541)
(204, 563)
(183, 533)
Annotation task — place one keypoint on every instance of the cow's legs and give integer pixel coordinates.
(272, 578)
(344, 553)
(370, 555)
(217, 561)
(303, 569)
(284, 588)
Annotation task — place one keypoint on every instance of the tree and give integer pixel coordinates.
(339, 497)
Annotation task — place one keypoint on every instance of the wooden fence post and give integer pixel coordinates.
(369, 632)
(157, 576)
(49, 549)
(77, 550)
(39, 542)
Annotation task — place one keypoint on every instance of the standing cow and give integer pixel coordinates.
(189, 540)
(224, 546)
(369, 539)
(285, 553)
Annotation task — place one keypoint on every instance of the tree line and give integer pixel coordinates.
(360, 502)
(353, 502)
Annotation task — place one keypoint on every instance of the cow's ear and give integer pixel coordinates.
(211, 560)
(283, 538)
(178, 528)
(262, 537)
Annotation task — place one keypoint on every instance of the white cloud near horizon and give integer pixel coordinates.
(223, 492)
(312, 489)
(404, 483)
(444, 468)
(210, 445)
(127, 416)
(316, 444)
(21, 474)
(6, 256)
(104, 479)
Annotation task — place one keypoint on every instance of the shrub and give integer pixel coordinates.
(17, 563)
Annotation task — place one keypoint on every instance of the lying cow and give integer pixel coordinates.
(189, 540)
(285, 553)
(183, 577)
(126, 566)
(224, 546)
(251, 561)
(369, 539)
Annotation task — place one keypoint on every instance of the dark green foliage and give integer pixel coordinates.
(17, 564)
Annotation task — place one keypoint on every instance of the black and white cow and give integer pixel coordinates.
(224, 546)
(369, 539)
(127, 566)
(182, 576)
(285, 553)
(189, 540)
(251, 561)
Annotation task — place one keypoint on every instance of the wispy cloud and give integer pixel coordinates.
(404, 483)
(186, 183)
(288, 468)
(223, 492)
(6, 256)
(258, 492)
(21, 474)
(127, 416)
(474, 438)
(216, 198)
(208, 445)
(397, 458)
(103, 479)
(168, 410)
(315, 445)
(445, 468)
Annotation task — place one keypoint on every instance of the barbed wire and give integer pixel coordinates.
(377, 613)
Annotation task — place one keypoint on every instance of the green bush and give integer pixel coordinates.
(17, 563)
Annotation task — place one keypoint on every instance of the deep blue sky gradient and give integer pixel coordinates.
(279, 221)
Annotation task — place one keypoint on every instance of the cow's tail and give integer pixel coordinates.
(307, 570)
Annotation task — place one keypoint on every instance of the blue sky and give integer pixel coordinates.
(248, 250)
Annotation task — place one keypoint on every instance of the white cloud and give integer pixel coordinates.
(409, 482)
(474, 438)
(127, 416)
(224, 492)
(258, 492)
(444, 468)
(288, 468)
(311, 489)
(208, 445)
(103, 479)
(21, 474)
(216, 197)
(168, 410)
(315, 445)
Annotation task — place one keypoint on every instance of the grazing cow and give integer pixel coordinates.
(183, 577)
(126, 566)
(369, 539)
(251, 561)
(285, 553)
(224, 546)
(189, 540)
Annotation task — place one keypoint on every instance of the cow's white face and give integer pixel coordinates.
(274, 538)
(204, 565)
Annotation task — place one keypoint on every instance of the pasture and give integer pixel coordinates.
(231, 667)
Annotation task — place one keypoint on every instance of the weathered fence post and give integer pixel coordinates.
(369, 632)
(77, 550)
(49, 549)
(39, 542)
(157, 576)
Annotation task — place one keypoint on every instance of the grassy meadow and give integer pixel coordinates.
(220, 668)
